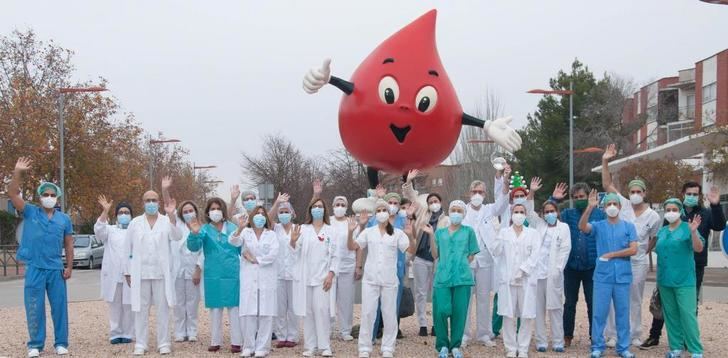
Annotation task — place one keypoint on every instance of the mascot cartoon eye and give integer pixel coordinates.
(388, 90)
(426, 99)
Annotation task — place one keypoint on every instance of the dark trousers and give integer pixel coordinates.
(573, 279)
(657, 324)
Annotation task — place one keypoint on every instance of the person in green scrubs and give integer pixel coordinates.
(675, 246)
(454, 248)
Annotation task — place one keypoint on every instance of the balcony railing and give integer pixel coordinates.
(679, 130)
(687, 113)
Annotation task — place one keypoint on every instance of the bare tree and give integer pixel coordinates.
(284, 166)
(344, 176)
(474, 159)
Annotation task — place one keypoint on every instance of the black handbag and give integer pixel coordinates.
(656, 304)
(407, 304)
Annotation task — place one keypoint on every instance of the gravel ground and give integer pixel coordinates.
(89, 329)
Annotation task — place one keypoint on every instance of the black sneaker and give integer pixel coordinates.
(649, 343)
(432, 333)
(399, 334)
(423, 332)
(273, 337)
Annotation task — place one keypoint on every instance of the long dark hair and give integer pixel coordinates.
(309, 217)
(255, 212)
(219, 202)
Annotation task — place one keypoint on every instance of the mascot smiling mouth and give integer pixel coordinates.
(400, 133)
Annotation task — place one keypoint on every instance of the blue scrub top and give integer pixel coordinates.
(610, 238)
(43, 238)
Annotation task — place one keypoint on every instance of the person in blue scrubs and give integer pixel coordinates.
(46, 231)
(616, 241)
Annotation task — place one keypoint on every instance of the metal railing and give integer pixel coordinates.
(687, 113)
(679, 130)
(9, 264)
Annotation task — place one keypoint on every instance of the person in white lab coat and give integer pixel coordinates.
(517, 250)
(344, 283)
(286, 323)
(148, 271)
(554, 252)
(479, 216)
(647, 222)
(187, 271)
(380, 282)
(314, 244)
(260, 280)
(114, 289)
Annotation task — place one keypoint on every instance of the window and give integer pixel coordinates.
(709, 92)
(434, 182)
(439, 182)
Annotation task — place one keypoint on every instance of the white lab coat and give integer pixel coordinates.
(114, 261)
(316, 255)
(286, 261)
(347, 258)
(137, 231)
(554, 252)
(258, 278)
(516, 253)
(183, 260)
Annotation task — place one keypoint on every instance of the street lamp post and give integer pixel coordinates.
(151, 157)
(61, 133)
(569, 92)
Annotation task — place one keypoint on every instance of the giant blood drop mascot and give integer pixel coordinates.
(400, 111)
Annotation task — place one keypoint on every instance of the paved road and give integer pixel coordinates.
(83, 286)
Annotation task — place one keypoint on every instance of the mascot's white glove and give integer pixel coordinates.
(501, 133)
(316, 78)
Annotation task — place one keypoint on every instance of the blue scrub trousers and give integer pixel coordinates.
(400, 288)
(604, 293)
(37, 282)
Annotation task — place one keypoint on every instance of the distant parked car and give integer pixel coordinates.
(87, 251)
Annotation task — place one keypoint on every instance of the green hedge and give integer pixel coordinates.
(8, 223)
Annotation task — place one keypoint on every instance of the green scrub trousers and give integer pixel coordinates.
(678, 309)
(452, 303)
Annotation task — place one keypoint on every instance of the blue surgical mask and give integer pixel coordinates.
(189, 216)
(402, 213)
(123, 219)
(259, 220)
(284, 218)
(456, 218)
(690, 201)
(249, 204)
(151, 208)
(550, 218)
(317, 213)
(520, 201)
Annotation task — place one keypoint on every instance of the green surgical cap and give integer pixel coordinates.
(47, 185)
(611, 197)
(638, 182)
(392, 195)
(674, 201)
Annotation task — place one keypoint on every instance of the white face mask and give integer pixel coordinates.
(393, 209)
(382, 216)
(216, 215)
(339, 211)
(518, 219)
(476, 199)
(612, 211)
(48, 202)
(672, 216)
(636, 199)
(435, 207)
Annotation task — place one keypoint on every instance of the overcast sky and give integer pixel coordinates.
(219, 75)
